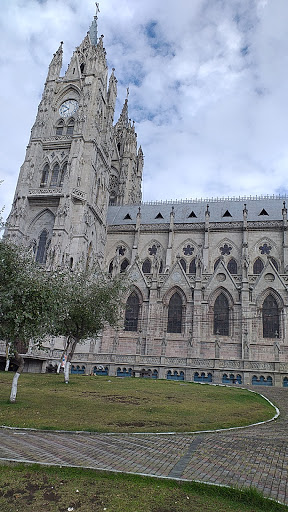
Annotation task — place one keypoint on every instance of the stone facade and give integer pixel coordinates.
(209, 297)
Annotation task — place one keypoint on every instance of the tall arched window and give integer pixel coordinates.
(44, 177)
(175, 314)
(258, 266)
(55, 174)
(41, 249)
(270, 314)
(192, 267)
(217, 263)
(221, 315)
(183, 264)
(132, 312)
(70, 127)
(232, 266)
(59, 128)
(146, 267)
(62, 175)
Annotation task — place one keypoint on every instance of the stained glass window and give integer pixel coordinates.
(175, 314)
(55, 174)
(45, 174)
(192, 267)
(41, 249)
(132, 312)
(146, 267)
(232, 266)
(258, 266)
(183, 264)
(270, 314)
(221, 315)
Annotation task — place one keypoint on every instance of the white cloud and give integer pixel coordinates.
(208, 87)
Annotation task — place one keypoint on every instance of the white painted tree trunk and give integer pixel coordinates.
(14, 387)
(7, 365)
(67, 372)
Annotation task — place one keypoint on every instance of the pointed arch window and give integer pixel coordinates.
(232, 266)
(217, 263)
(192, 267)
(175, 314)
(59, 128)
(183, 264)
(124, 265)
(45, 174)
(70, 127)
(221, 315)
(55, 175)
(146, 267)
(132, 313)
(41, 249)
(62, 175)
(270, 315)
(110, 270)
(258, 266)
(274, 263)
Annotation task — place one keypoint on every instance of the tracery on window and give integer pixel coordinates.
(270, 316)
(146, 267)
(175, 314)
(221, 315)
(232, 266)
(258, 266)
(132, 312)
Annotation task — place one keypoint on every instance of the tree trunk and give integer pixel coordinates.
(68, 360)
(20, 361)
(7, 357)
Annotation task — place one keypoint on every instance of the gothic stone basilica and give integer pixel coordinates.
(209, 298)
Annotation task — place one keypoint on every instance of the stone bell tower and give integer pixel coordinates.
(62, 195)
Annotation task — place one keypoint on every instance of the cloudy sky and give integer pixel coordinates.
(208, 86)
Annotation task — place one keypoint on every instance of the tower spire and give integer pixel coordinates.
(93, 27)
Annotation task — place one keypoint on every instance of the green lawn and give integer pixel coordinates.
(32, 488)
(110, 404)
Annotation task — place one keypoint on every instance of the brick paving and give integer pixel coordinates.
(256, 456)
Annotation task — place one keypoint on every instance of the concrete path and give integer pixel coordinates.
(256, 456)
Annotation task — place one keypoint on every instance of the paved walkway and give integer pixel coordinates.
(256, 456)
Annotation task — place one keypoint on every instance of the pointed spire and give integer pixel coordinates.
(93, 27)
(123, 119)
(56, 64)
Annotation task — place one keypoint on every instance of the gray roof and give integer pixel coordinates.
(257, 209)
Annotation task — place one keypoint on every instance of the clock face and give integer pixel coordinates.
(68, 108)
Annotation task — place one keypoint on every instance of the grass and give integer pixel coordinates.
(34, 488)
(107, 404)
